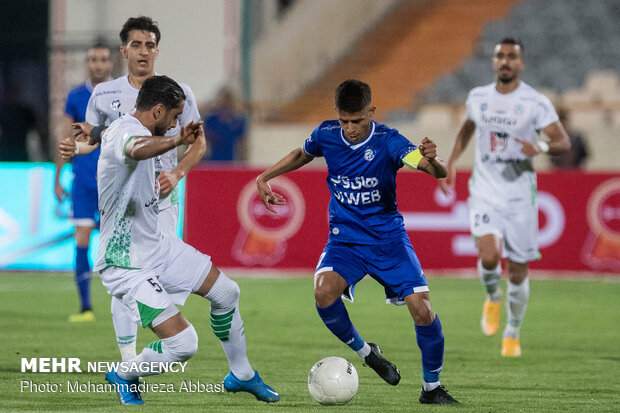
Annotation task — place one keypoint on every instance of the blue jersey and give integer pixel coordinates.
(84, 166)
(362, 181)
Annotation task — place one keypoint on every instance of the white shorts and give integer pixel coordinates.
(146, 292)
(168, 220)
(517, 228)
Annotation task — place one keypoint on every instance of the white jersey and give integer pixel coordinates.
(128, 200)
(503, 175)
(110, 100)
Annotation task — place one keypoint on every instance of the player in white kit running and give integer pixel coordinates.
(146, 268)
(507, 117)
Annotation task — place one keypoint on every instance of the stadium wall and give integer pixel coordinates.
(304, 43)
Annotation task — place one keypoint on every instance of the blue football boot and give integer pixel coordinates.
(255, 385)
(123, 389)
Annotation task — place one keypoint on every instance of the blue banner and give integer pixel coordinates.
(35, 233)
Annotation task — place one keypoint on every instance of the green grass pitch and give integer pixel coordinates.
(570, 342)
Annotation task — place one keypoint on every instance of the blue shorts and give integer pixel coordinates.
(84, 206)
(394, 264)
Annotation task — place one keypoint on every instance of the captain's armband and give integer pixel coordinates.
(412, 159)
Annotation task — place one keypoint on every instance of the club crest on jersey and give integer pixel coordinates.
(369, 155)
(116, 104)
(518, 109)
(499, 141)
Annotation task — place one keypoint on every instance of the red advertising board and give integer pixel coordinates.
(579, 220)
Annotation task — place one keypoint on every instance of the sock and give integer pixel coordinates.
(490, 279)
(82, 276)
(177, 348)
(431, 342)
(227, 325)
(336, 319)
(516, 304)
(126, 330)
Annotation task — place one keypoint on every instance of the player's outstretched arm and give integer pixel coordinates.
(145, 147)
(294, 160)
(558, 142)
(169, 180)
(430, 162)
(462, 140)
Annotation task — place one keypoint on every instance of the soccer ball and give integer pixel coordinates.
(332, 380)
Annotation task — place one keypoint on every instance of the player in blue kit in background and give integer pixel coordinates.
(366, 231)
(85, 212)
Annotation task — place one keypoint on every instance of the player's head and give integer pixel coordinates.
(139, 45)
(98, 63)
(508, 59)
(354, 109)
(164, 99)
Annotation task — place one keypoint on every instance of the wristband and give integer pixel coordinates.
(95, 134)
(543, 146)
(77, 148)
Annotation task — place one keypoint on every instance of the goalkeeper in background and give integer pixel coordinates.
(366, 231)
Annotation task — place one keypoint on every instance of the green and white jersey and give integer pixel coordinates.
(111, 100)
(128, 200)
(503, 175)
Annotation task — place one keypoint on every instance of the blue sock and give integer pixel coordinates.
(82, 276)
(430, 340)
(336, 318)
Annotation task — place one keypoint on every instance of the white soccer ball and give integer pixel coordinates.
(333, 380)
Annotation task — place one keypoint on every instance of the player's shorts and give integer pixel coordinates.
(518, 228)
(394, 264)
(146, 291)
(84, 206)
(168, 220)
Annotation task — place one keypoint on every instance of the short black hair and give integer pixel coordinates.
(352, 96)
(160, 89)
(514, 41)
(100, 44)
(139, 23)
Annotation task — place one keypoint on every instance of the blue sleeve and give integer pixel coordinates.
(70, 106)
(311, 146)
(399, 147)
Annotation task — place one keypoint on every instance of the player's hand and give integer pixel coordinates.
(268, 196)
(428, 149)
(189, 133)
(447, 184)
(81, 132)
(528, 148)
(167, 182)
(66, 148)
(60, 192)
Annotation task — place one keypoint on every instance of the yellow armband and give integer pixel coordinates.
(412, 159)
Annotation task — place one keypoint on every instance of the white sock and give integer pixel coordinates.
(516, 304)
(430, 386)
(126, 330)
(227, 325)
(177, 348)
(364, 351)
(490, 279)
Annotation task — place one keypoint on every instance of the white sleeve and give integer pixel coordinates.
(544, 113)
(190, 110)
(470, 115)
(92, 117)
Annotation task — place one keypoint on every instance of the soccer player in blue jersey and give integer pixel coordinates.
(85, 213)
(366, 231)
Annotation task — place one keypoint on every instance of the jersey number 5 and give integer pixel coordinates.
(155, 285)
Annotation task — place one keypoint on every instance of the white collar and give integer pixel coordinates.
(362, 143)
